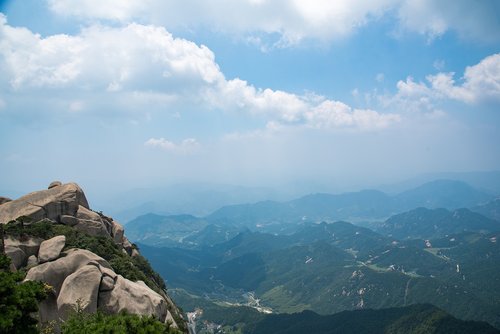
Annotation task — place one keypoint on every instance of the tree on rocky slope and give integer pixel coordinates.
(18, 300)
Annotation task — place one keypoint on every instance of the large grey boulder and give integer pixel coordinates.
(118, 232)
(91, 223)
(51, 249)
(50, 203)
(32, 261)
(107, 284)
(55, 272)
(81, 287)
(68, 220)
(47, 309)
(134, 298)
(127, 246)
(17, 255)
(29, 245)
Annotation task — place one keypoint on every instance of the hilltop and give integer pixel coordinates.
(84, 259)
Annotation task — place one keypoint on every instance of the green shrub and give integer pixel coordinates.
(133, 268)
(18, 301)
(122, 323)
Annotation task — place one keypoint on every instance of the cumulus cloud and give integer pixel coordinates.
(238, 94)
(100, 58)
(293, 20)
(334, 114)
(186, 146)
(480, 82)
(296, 20)
(311, 111)
(143, 67)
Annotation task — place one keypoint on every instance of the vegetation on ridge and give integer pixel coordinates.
(132, 267)
(18, 301)
(99, 323)
(24, 300)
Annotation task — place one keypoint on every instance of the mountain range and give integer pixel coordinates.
(328, 268)
(289, 257)
(441, 202)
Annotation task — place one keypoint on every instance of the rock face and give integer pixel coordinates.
(17, 255)
(55, 272)
(91, 222)
(134, 298)
(85, 278)
(81, 286)
(50, 249)
(65, 204)
(118, 232)
(54, 184)
(78, 277)
(51, 203)
(32, 261)
(29, 246)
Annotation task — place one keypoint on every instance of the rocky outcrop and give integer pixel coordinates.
(29, 246)
(68, 220)
(4, 200)
(65, 204)
(90, 222)
(81, 277)
(32, 261)
(51, 204)
(55, 272)
(17, 255)
(118, 232)
(78, 277)
(54, 184)
(133, 297)
(50, 249)
(80, 287)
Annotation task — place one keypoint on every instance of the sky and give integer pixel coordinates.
(122, 94)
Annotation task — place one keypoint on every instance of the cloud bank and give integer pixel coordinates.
(139, 65)
(295, 20)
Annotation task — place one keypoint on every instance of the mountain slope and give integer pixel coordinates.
(357, 205)
(448, 194)
(415, 319)
(333, 267)
(490, 209)
(422, 223)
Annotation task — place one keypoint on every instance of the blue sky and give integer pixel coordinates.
(343, 94)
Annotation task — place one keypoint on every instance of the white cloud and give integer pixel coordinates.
(483, 80)
(29, 59)
(186, 146)
(334, 114)
(102, 58)
(296, 20)
(238, 94)
(480, 83)
(138, 67)
(111, 10)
